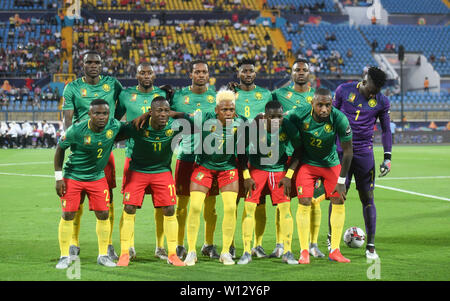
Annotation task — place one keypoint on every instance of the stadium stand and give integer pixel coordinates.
(415, 38)
(219, 31)
(331, 48)
(415, 6)
(170, 48)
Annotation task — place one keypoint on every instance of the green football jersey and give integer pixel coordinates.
(250, 103)
(287, 133)
(135, 103)
(319, 138)
(291, 99)
(152, 151)
(186, 101)
(219, 146)
(78, 96)
(90, 150)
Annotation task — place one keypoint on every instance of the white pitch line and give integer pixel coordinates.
(412, 192)
(24, 163)
(24, 175)
(415, 178)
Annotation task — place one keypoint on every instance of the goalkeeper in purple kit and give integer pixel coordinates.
(363, 104)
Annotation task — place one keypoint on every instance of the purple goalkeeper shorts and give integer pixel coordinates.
(363, 169)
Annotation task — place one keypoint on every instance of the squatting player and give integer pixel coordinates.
(319, 125)
(363, 104)
(77, 99)
(264, 175)
(250, 101)
(292, 97)
(136, 101)
(197, 97)
(150, 166)
(91, 142)
(217, 161)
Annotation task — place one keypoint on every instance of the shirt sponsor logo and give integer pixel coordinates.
(109, 134)
(87, 140)
(106, 88)
(351, 97)
(372, 103)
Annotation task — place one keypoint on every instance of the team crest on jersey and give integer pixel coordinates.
(328, 128)
(309, 99)
(63, 203)
(133, 97)
(210, 98)
(258, 96)
(199, 176)
(109, 134)
(283, 136)
(213, 129)
(300, 190)
(186, 100)
(63, 137)
(169, 133)
(372, 103)
(351, 97)
(289, 95)
(106, 88)
(87, 140)
(83, 93)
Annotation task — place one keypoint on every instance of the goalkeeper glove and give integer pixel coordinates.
(385, 167)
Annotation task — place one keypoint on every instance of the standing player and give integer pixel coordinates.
(136, 101)
(319, 126)
(261, 175)
(363, 104)
(292, 97)
(250, 101)
(77, 99)
(91, 142)
(150, 167)
(195, 98)
(216, 162)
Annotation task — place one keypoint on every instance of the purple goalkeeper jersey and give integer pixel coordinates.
(362, 115)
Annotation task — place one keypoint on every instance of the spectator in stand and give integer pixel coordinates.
(426, 84)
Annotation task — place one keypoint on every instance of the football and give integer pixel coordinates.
(354, 237)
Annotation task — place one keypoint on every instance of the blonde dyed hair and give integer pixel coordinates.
(225, 95)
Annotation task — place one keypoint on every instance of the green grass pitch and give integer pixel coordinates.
(413, 230)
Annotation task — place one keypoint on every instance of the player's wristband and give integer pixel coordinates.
(289, 173)
(58, 175)
(387, 156)
(341, 180)
(246, 174)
